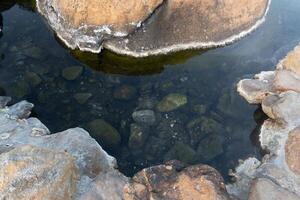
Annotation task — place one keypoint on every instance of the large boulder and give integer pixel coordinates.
(173, 181)
(34, 173)
(292, 151)
(169, 25)
(86, 23)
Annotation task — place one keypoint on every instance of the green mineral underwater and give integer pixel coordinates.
(145, 111)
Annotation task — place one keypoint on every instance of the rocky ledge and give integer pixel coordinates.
(36, 164)
(277, 176)
(151, 27)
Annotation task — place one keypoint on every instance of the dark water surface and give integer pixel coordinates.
(215, 126)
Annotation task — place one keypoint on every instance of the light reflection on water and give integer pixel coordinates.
(215, 127)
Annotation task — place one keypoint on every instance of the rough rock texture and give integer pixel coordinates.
(280, 168)
(86, 23)
(186, 24)
(292, 151)
(264, 189)
(33, 173)
(90, 160)
(169, 25)
(175, 182)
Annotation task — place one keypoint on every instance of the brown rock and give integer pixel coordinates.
(264, 189)
(292, 151)
(286, 80)
(292, 61)
(174, 182)
(30, 172)
(184, 24)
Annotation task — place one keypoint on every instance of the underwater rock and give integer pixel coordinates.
(35, 53)
(144, 117)
(33, 79)
(51, 175)
(19, 89)
(72, 73)
(82, 98)
(210, 147)
(125, 92)
(176, 182)
(171, 102)
(138, 136)
(166, 26)
(104, 132)
(181, 152)
(265, 189)
(86, 23)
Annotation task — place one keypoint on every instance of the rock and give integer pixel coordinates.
(200, 109)
(181, 152)
(144, 117)
(82, 98)
(284, 108)
(19, 89)
(85, 24)
(20, 110)
(210, 147)
(104, 132)
(186, 24)
(171, 102)
(33, 79)
(72, 73)
(292, 151)
(4, 101)
(255, 90)
(175, 25)
(291, 61)
(35, 53)
(30, 172)
(125, 92)
(138, 136)
(264, 189)
(286, 80)
(106, 186)
(174, 181)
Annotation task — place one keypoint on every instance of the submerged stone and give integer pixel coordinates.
(125, 92)
(171, 102)
(146, 117)
(33, 79)
(82, 98)
(182, 152)
(104, 132)
(72, 73)
(138, 136)
(210, 147)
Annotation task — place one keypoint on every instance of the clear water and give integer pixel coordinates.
(32, 61)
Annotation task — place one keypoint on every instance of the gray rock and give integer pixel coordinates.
(265, 189)
(144, 117)
(72, 73)
(103, 131)
(4, 101)
(20, 110)
(171, 102)
(30, 172)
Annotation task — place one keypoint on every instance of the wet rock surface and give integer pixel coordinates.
(277, 176)
(176, 182)
(166, 25)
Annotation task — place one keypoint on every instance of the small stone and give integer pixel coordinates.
(171, 102)
(104, 132)
(35, 52)
(72, 73)
(199, 109)
(82, 98)
(33, 79)
(181, 152)
(210, 147)
(138, 136)
(265, 189)
(19, 89)
(146, 117)
(125, 92)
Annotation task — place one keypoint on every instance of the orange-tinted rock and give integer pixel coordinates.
(175, 182)
(286, 80)
(292, 151)
(292, 61)
(187, 24)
